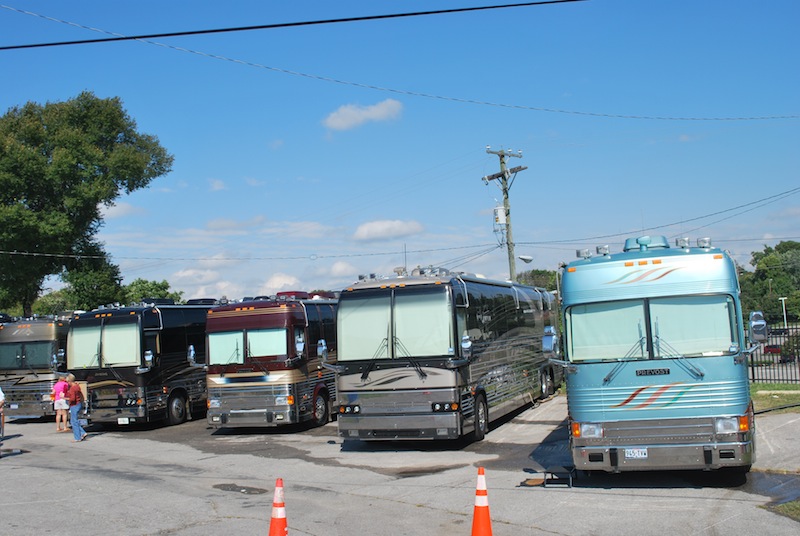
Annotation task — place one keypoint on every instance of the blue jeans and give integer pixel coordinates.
(77, 430)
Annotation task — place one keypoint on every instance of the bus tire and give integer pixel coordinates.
(321, 409)
(176, 408)
(481, 418)
(547, 384)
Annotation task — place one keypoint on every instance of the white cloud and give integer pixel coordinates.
(384, 229)
(194, 277)
(216, 185)
(352, 115)
(120, 210)
(279, 282)
(343, 269)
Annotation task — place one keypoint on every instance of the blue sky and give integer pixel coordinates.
(306, 156)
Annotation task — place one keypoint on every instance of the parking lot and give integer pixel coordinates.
(191, 480)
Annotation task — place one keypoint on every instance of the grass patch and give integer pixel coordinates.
(789, 509)
(776, 395)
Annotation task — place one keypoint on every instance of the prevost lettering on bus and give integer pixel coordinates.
(437, 355)
(32, 356)
(265, 360)
(141, 363)
(655, 355)
(652, 372)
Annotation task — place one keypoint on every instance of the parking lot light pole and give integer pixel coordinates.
(783, 304)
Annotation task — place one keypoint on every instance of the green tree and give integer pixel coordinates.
(776, 275)
(60, 162)
(140, 289)
(53, 303)
(538, 278)
(91, 282)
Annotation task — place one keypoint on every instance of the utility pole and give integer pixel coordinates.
(505, 186)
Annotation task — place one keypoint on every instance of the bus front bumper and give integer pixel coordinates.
(246, 418)
(391, 427)
(616, 459)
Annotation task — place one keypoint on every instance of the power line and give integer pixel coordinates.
(759, 203)
(118, 37)
(463, 259)
(401, 91)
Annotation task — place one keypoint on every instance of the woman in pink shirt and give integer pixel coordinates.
(60, 403)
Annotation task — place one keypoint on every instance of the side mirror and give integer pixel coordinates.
(299, 347)
(759, 331)
(550, 341)
(466, 347)
(148, 362)
(191, 357)
(322, 350)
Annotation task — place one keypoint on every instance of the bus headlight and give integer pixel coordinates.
(349, 409)
(587, 430)
(732, 425)
(214, 403)
(439, 407)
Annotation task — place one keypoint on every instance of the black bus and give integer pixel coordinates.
(141, 363)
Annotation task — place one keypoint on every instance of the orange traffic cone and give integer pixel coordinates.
(277, 525)
(481, 522)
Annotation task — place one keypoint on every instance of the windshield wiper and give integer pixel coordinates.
(681, 359)
(234, 354)
(114, 372)
(414, 363)
(25, 360)
(381, 346)
(623, 360)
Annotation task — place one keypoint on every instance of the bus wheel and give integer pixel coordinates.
(321, 412)
(481, 418)
(547, 384)
(176, 409)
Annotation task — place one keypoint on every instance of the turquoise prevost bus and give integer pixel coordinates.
(656, 359)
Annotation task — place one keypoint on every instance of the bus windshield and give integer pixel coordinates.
(228, 347)
(8, 355)
(684, 326)
(38, 354)
(104, 345)
(420, 325)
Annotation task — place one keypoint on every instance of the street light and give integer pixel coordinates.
(783, 303)
(527, 259)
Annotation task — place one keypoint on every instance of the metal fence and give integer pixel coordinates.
(777, 360)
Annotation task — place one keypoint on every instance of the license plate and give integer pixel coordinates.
(635, 454)
(14, 406)
(123, 420)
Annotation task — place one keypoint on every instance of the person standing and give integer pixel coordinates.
(60, 403)
(75, 399)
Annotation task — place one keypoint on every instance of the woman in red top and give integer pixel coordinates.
(75, 398)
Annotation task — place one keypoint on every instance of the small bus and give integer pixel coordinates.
(436, 355)
(656, 359)
(32, 355)
(141, 363)
(265, 360)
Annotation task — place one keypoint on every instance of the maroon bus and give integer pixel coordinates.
(265, 359)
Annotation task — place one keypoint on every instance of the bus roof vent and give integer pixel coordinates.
(158, 301)
(432, 271)
(202, 301)
(644, 243)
